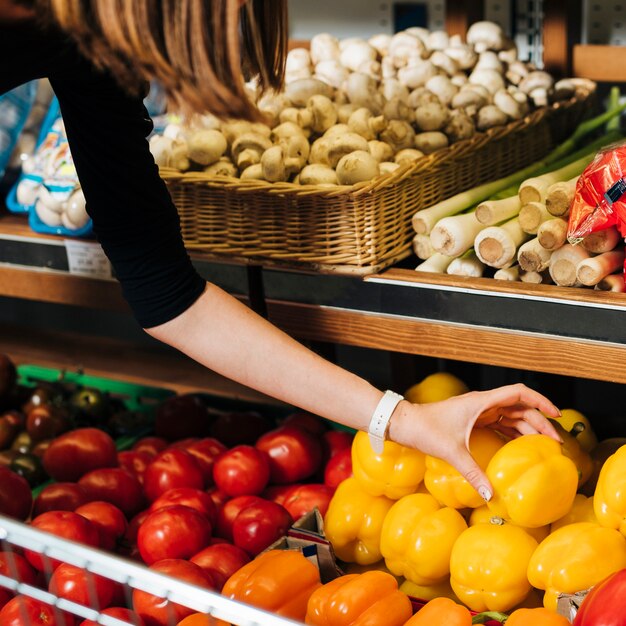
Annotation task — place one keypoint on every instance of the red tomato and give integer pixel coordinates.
(135, 462)
(259, 525)
(108, 519)
(172, 468)
(78, 585)
(25, 611)
(130, 535)
(337, 440)
(156, 611)
(126, 615)
(16, 567)
(306, 421)
(114, 485)
(176, 532)
(77, 452)
(338, 468)
(182, 416)
(67, 525)
(151, 445)
(243, 428)
(304, 498)
(294, 454)
(221, 560)
(278, 493)
(59, 497)
(219, 497)
(186, 496)
(16, 498)
(227, 514)
(206, 451)
(242, 471)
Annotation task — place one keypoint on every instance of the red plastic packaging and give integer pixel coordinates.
(600, 200)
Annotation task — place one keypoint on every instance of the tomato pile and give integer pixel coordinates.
(197, 500)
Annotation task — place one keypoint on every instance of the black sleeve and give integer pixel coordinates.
(133, 215)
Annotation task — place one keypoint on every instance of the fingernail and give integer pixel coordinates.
(485, 494)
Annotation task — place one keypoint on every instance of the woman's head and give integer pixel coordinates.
(201, 51)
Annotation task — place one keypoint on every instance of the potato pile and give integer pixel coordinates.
(352, 110)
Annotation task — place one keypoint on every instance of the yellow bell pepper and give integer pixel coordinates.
(577, 424)
(354, 521)
(359, 600)
(429, 592)
(380, 566)
(572, 449)
(417, 538)
(397, 472)
(609, 500)
(581, 511)
(448, 485)
(574, 558)
(483, 515)
(599, 455)
(435, 388)
(534, 483)
(488, 566)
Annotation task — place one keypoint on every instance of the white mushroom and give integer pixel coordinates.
(416, 74)
(331, 72)
(340, 145)
(508, 104)
(380, 150)
(271, 104)
(380, 43)
(319, 151)
(234, 128)
(430, 142)
(224, 167)
(388, 67)
(278, 165)
(491, 79)
(387, 167)
(397, 109)
(299, 91)
(248, 148)
(356, 167)
(420, 32)
(489, 60)
(337, 129)
(365, 124)
(404, 45)
(206, 146)
(444, 62)
(509, 53)
(469, 100)
(322, 113)
(76, 210)
(459, 127)
(407, 155)
(254, 172)
(362, 90)
(344, 112)
(393, 88)
(398, 135)
(297, 59)
(464, 56)
(421, 96)
(170, 152)
(438, 40)
(459, 79)
(486, 36)
(443, 88)
(431, 116)
(324, 47)
(354, 55)
(536, 80)
(286, 130)
(540, 97)
(318, 174)
(490, 116)
(515, 72)
(371, 68)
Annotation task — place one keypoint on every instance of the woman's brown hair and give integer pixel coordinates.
(200, 51)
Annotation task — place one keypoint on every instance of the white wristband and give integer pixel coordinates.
(379, 424)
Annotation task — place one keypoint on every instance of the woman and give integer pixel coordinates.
(98, 55)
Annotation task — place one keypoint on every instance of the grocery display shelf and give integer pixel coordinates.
(576, 332)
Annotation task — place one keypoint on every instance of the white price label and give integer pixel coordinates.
(87, 258)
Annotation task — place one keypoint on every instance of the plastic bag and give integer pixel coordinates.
(600, 199)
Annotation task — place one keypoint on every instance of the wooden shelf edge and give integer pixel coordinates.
(527, 351)
(148, 365)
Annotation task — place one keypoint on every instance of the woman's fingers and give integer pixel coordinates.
(520, 394)
(472, 472)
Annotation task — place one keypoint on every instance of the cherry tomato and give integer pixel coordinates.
(338, 468)
(67, 525)
(175, 532)
(182, 416)
(278, 493)
(46, 422)
(304, 498)
(259, 525)
(78, 452)
(130, 536)
(242, 471)
(240, 428)
(59, 497)
(25, 611)
(171, 468)
(134, 462)
(114, 485)
(206, 451)
(221, 560)
(156, 611)
(80, 586)
(108, 519)
(306, 421)
(186, 496)
(126, 615)
(15, 566)
(294, 454)
(16, 498)
(227, 514)
(151, 445)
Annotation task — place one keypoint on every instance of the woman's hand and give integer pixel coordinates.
(442, 429)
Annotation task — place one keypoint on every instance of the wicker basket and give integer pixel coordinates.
(359, 229)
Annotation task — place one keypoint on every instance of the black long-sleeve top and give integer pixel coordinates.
(133, 215)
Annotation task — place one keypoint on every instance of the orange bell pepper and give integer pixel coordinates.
(359, 600)
(441, 611)
(536, 617)
(200, 619)
(280, 581)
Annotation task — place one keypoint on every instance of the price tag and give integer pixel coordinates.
(87, 258)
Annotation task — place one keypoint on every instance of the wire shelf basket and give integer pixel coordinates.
(16, 537)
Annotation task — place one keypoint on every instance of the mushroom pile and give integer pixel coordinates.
(354, 109)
